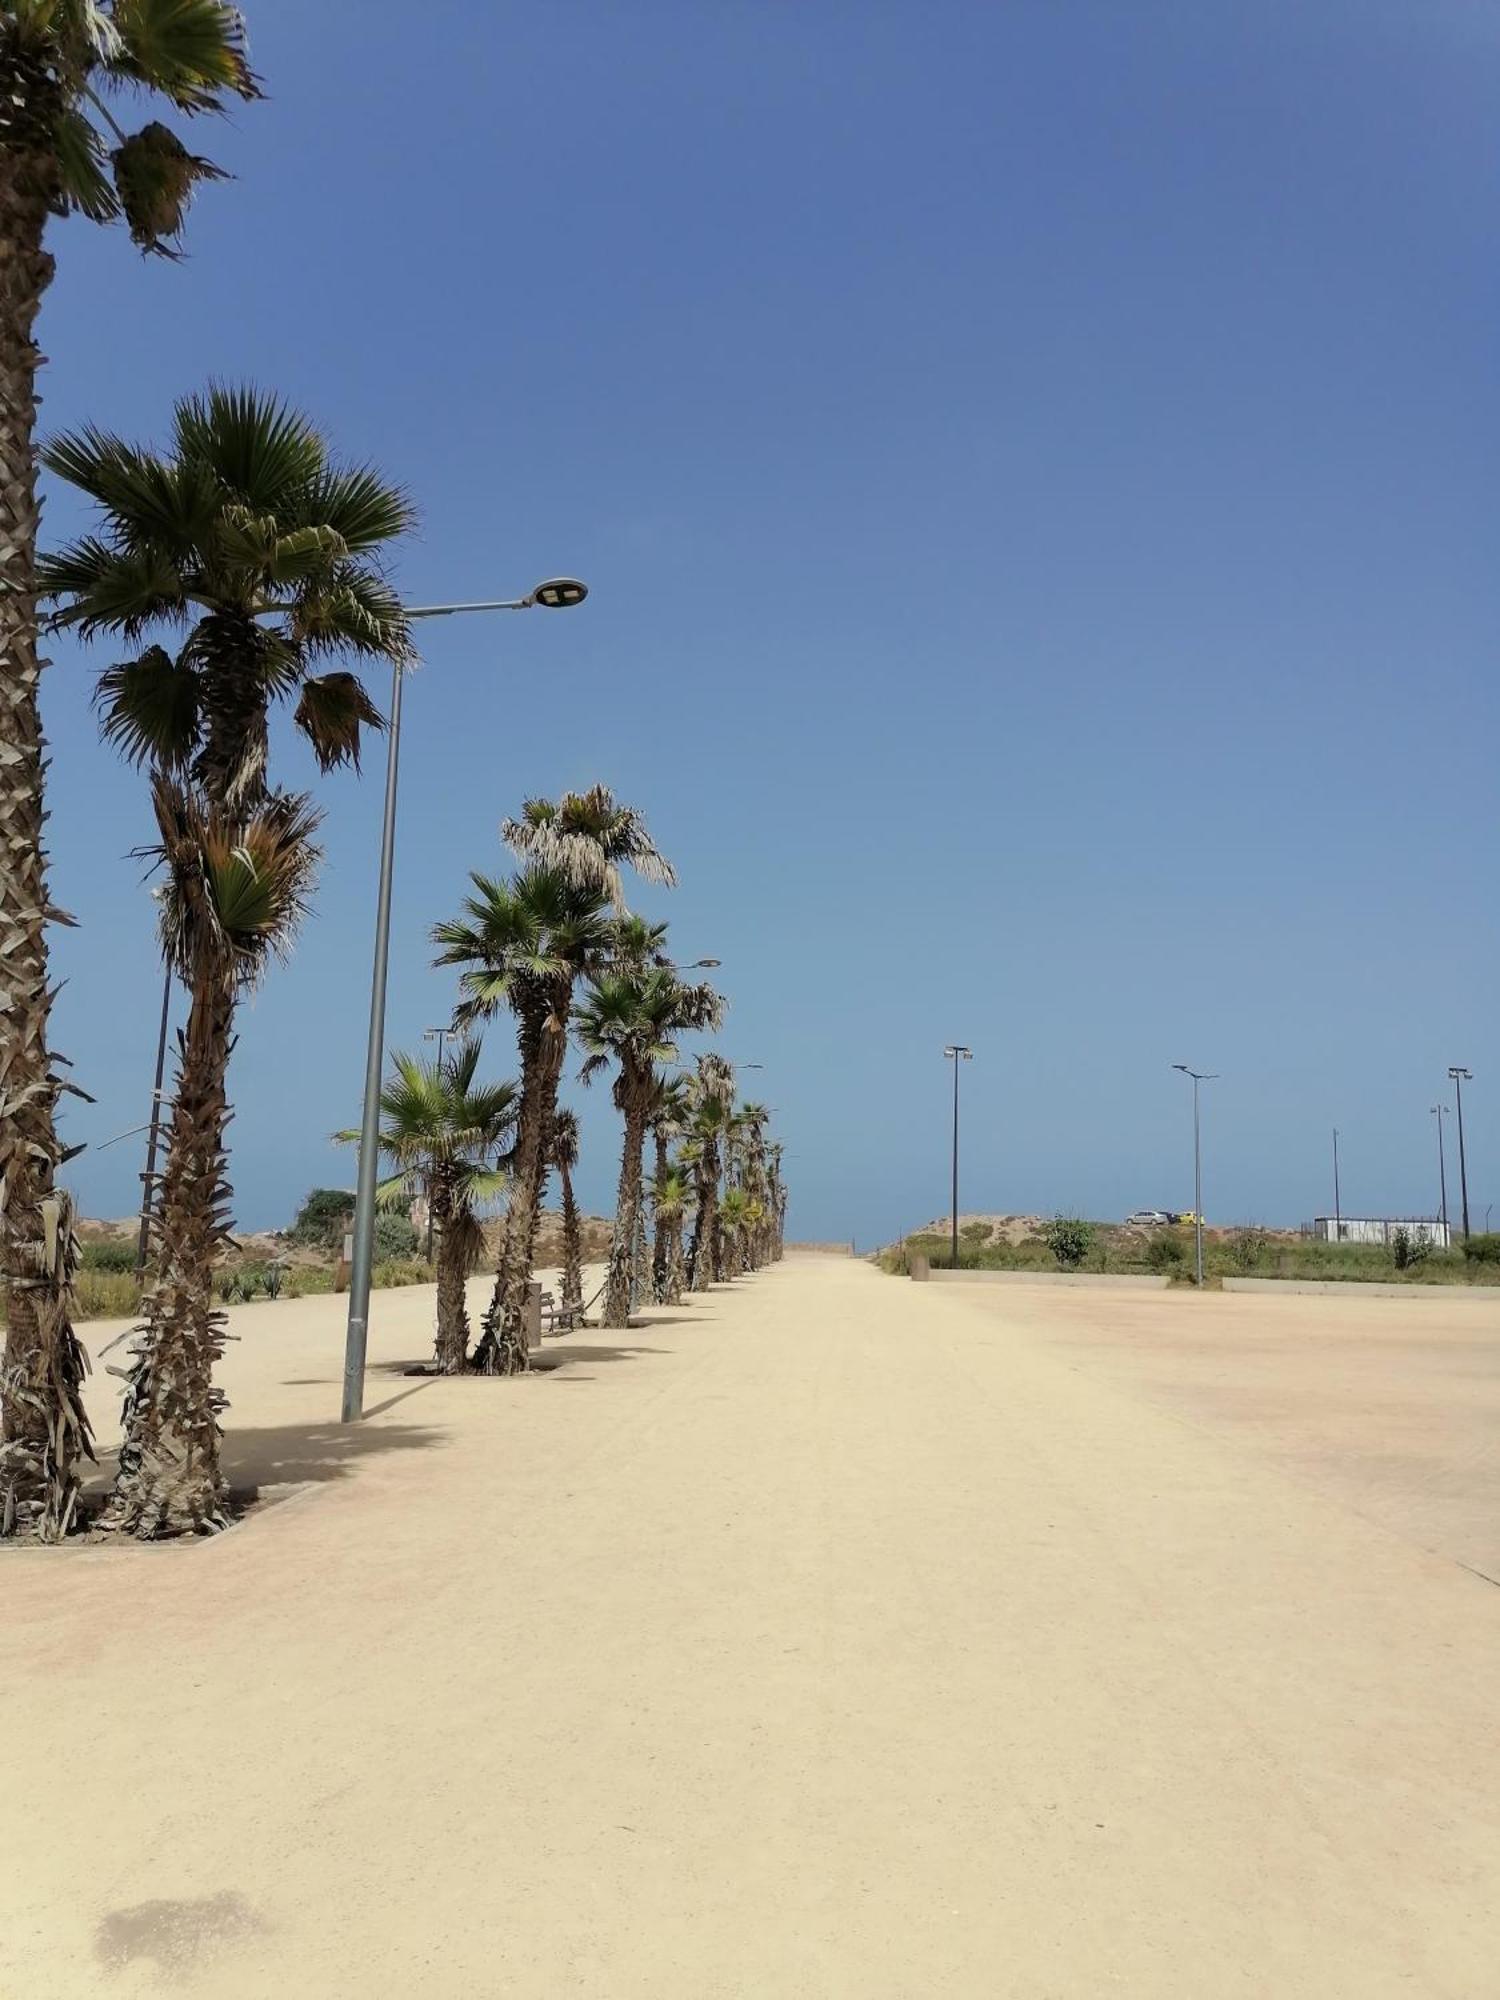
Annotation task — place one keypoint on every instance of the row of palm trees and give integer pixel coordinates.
(242, 568)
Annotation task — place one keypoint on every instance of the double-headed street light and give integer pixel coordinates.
(959, 1054)
(1198, 1076)
(1440, 1112)
(557, 593)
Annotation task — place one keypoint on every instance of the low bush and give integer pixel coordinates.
(1409, 1248)
(1248, 1247)
(1482, 1249)
(1069, 1238)
(1165, 1253)
(109, 1256)
(395, 1238)
(395, 1271)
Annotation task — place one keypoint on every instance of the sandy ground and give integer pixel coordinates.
(832, 1636)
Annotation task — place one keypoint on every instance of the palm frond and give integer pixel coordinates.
(149, 708)
(262, 451)
(155, 176)
(81, 164)
(100, 589)
(332, 713)
(192, 51)
(362, 507)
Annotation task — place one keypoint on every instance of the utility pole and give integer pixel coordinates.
(1338, 1217)
(1198, 1076)
(959, 1054)
(1460, 1077)
(1439, 1111)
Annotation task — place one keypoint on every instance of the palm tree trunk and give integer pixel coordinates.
(502, 1347)
(43, 1429)
(622, 1247)
(452, 1349)
(706, 1256)
(572, 1284)
(659, 1246)
(169, 1482)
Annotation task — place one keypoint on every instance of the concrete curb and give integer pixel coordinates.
(1359, 1287)
(1101, 1280)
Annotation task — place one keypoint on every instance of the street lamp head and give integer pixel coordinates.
(559, 593)
(1456, 1070)
(958, 1049)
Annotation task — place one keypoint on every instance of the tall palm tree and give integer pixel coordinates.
(59, 59)
(713, 1102)
(670, 1113)
(522, 944)
(671, 1193)
(737, 1216)
(751, 1120)
(630, 1016)
(246, 533)
(236, 890)
(446, 1136)
(563, 1155)
(590, 836)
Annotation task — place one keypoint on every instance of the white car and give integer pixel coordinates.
(1150, 1218)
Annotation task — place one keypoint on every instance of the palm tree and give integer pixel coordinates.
(630, 1016)
(670, 1112)
(589, 836)
(236, 890)
(563, 1155)
(446, 1136)
(671, 1192)
(522, 944)
(246, 527)
(736, 1218)
(57, 59)
(713, 1099)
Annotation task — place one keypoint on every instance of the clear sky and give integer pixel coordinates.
(1035, 465)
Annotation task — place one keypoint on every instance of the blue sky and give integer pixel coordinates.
(1036, 470)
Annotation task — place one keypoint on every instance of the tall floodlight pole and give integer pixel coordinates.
(1198, 1076)
(1439, 1112)
(1460, 1077)
(557, 593)
(959, 1054)
(1338, 1215)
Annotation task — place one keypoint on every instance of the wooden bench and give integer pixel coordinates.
(559, 1319)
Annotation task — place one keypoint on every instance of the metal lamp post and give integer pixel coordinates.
(1440, 1112)
(1338, 1217)
(959, 1054)
(1198, 1076)
(1460, 1077)
(558, 593)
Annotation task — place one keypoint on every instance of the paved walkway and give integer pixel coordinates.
(834, 1636)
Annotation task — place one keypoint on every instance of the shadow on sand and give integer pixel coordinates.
(280, 1455)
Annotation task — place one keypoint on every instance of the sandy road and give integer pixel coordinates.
(834, 1636)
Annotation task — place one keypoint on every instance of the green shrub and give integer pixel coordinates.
(110, 1256)
(1069, 1238)
(1482, 1249)
(323, 1218)
(1409, 1249)
(1248, 1247)
(274, 1278)
(394, 1271)
(395, 1238)
(1165, 1253)
(105, 1295)
(307, 1281)
(976, 1233)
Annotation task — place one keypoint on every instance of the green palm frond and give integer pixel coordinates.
(359, 505)
(109, 590)
(149, 708)
(588, 836)
(261, 451)
(192, 51)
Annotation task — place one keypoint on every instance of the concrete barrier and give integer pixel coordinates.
(1102, 1280)
(920, 1268)
(1360, 1287)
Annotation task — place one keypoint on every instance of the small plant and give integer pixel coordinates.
(109, 1256)
(1410, 1249)
(395, 1238)
(1069, 1239)
(1482, 1249)
(1248, 1247)
(275, 1273)
(1165, 1254)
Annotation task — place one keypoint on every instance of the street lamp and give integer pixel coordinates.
(148, 1178)
(959, 1054)
(1198, 1076)
(1439, 1112)
(1338, 1217)
(555, 593)
(1460, 1077)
